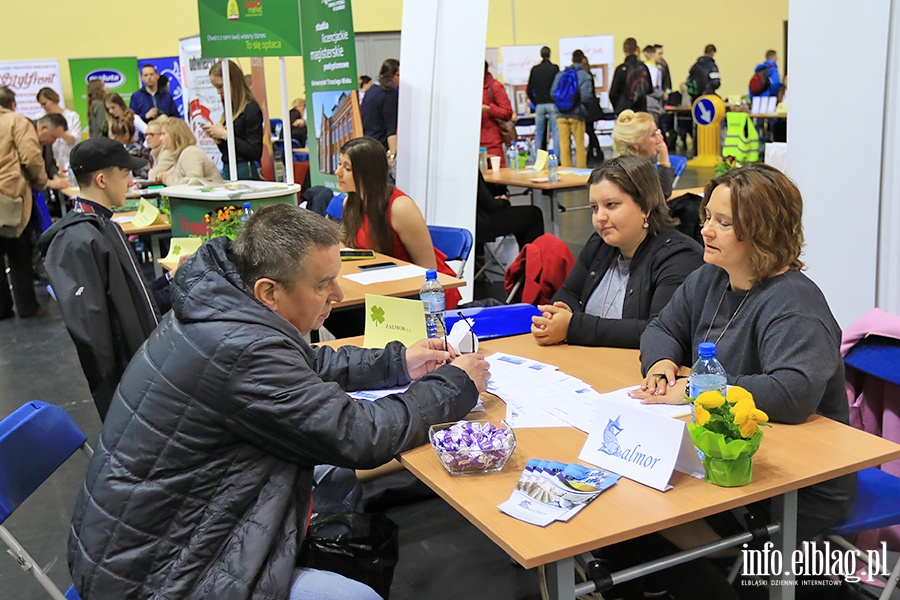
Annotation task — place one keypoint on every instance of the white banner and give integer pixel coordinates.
(517, 61)
(600, 52)
(26, 77)
(201, 100)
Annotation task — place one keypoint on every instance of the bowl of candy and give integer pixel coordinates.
(468, 447)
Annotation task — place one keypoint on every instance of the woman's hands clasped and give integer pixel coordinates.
(552, 326)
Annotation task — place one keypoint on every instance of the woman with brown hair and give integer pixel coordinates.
(775, 335)
(247, 119)
(96, 93)
(191, 162)
(629, 268)
(379, 108)
(117, 109)
(380, 217)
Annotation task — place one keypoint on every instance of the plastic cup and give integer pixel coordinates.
(495, 164)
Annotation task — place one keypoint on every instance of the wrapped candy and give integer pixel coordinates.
(472, 446)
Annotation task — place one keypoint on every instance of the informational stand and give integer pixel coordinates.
(120, 74)
(26, 77)
(250, 29)
(708, 111)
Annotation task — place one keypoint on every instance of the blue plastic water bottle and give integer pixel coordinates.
(707, 373)
(246, 213)
(432, 296)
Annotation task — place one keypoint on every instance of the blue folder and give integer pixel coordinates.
(495, 321)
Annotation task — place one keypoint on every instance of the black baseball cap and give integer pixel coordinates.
(96, 154)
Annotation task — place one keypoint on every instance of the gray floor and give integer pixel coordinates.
(441, 556)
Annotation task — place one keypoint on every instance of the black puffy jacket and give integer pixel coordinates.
(200, 485)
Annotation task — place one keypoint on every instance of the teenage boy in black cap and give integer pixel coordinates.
(108, 308)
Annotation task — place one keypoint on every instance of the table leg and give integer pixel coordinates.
(156, 240)
(784, 509)
(561, 579)
(554, 226)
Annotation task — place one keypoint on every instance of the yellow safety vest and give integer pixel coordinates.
(741, 138)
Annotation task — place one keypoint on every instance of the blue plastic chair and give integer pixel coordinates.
(335, 208)
(679, 164)
(34, 442)
(455, 242)
(495, 321)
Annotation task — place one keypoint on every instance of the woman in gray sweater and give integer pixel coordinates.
(775, 334)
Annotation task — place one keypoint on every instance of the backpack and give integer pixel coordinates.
(759, 83)
(637, 83)
(566, 89)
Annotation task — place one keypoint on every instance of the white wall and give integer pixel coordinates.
(837, 71)
(439, 125)
(889, 239)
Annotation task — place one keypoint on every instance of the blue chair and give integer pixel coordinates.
(34, 442)
(455, 242)
(335, 208)
(491, 322)
(679, 164)
(276, 126)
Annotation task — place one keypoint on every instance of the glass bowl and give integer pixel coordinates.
(468, 447)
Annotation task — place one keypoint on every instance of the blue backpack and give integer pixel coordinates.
(566, 89)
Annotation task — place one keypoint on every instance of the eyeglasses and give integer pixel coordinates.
(148, 134)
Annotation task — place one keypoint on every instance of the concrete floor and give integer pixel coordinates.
(441, 554)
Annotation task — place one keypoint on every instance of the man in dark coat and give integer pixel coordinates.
(108, 308)
(200, 486)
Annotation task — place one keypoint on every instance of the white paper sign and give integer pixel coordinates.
(640, 445)
(599, 51)
(517, 62)
(26, 77)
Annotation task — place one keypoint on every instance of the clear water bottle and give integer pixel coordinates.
(707, 373)
(68, 174)
(553, 168)
(512, 157)
(432, 296)
(246, 213)
(483, 159)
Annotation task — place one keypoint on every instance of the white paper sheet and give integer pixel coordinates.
(387, 274)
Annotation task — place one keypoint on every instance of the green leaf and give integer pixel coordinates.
(377, 314)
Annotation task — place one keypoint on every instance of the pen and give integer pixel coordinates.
(663, 376)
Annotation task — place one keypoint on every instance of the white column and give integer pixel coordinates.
(439, 126)
(888, 297)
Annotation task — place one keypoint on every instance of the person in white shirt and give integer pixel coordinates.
(656, 96)
(49, 101)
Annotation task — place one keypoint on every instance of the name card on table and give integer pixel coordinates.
(389, 319)
(147, 215)
(640, 445)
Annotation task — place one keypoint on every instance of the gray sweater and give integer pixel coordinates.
(783, 346)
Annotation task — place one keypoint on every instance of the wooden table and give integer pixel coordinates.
(156, 232)
(523, 179)
(791, 457)
(355, 293)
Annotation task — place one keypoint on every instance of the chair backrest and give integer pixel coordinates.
(679, 163)
(276, 126)
(335, 208)
(34, 441)
(455, 242)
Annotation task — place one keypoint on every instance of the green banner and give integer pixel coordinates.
(249, 28)
(120, 74)
(329, 67)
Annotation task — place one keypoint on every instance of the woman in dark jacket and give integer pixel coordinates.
(378, 110)
(248, 124)
(628, 270)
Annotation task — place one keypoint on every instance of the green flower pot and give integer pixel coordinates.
(728, 472)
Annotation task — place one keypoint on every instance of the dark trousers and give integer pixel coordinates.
(245, 170)
(524, 222)
(17, 252)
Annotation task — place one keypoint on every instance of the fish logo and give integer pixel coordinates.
(610, 438)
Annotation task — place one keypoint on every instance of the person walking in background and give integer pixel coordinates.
(379, 109)
(365, 82)
(766, 81)
(666, 120)
(631, 82)
(247, 121)
(657, 94)
(593, 114)
(49, 101)
(97, 124)
(703, 78)
(665, 74)
(572, 89)
(540, 80)
(152, 100)
(21, 170)
(494, 105)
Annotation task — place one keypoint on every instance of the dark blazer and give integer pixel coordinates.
(540, 80)
(248, 135)
(660, 265)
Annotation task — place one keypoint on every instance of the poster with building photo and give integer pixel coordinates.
(26, 77)
(600, 52)
(201, 100)
(329, 68)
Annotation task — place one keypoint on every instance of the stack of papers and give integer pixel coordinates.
(540, 395)
(551, 491)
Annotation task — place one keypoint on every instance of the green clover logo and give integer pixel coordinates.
(377, 314)
(176, 249)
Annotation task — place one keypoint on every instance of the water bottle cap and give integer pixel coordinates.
(430, 274)
(482, 149)
(246, 205)
(706, 349)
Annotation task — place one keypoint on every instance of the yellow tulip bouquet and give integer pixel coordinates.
(727, 430)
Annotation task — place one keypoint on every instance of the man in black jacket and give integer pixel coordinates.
(539, 83)
(703, 78)
(200, 486)
(108, 308)
(631, 82)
